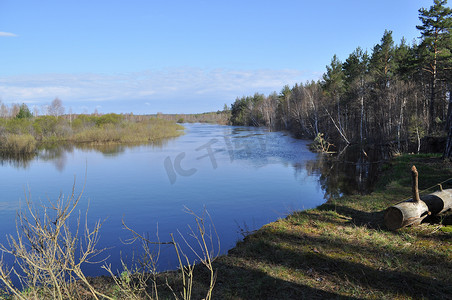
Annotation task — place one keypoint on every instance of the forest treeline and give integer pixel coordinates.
(395, 94)
(218, 117)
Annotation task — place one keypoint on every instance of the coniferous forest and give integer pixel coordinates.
(396, 94)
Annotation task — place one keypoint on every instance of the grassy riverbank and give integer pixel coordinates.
(340, 249)
(24, 136)
(337, 250)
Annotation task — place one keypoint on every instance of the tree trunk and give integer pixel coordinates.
(433, 84)
(362, 121)
(448, 149)
(418, 140)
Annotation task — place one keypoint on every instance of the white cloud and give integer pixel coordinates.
(7, 34)
(209, 88)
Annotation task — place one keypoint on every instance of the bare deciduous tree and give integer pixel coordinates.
(14, 110)
(35, 110)
(3, 111)
(56, 108)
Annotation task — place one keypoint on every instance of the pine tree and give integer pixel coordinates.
(405, 61)
(24, 112)
(436, 42)
(382, 62)
(355, 70)
(334, 86)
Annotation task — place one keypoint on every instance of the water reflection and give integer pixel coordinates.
(261, 147)
(57, 153)
(20, 161)
(109, 150)
(354, 170)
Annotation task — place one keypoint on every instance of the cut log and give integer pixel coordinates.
(410, 212)
(405, 213)
(413, 211)
(440, 202)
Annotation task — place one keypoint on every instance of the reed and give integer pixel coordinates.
(129, 132)
(17, 144)
(24, 136)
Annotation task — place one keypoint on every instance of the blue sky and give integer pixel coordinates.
(180, 56)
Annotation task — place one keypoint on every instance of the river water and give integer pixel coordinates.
(244, 177)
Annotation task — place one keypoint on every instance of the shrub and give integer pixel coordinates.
(18, 144)
(108, 119)
(49, 257)
(45, 125)
(18, 126)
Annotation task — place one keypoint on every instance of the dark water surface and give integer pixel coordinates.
(245, 177)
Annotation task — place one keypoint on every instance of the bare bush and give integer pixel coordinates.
(48, 255)
(141, 282)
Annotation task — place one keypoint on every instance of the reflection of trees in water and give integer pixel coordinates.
(105, 149)
(18, 161)
(114, 149)
(57, 154)
(354, 170)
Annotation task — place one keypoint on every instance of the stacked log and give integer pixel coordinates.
(440, 202)
(416, 209)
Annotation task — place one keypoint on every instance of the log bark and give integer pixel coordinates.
(405, 213)
(440, 202)
(413, 211)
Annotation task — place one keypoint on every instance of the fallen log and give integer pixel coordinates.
(439, 203)
(413, 211)
(409, 212)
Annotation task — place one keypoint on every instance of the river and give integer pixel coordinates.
(244, 177)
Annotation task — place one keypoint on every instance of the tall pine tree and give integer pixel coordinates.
(333, 87)
(355, 69)
(436, 40)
